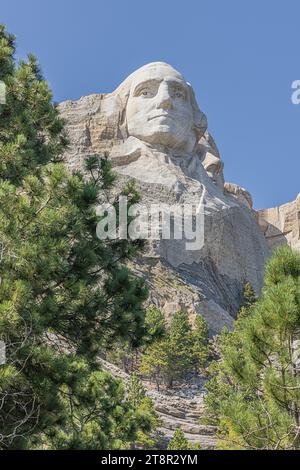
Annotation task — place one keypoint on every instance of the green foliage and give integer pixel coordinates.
(254, 393)
(249, 299)
(179, 346)
(155, 362)
(135, 391)
(124, 355)
(180, 442)
(31, 132)
(94, 414)
(155, 324)
(64, 294)
(145, 413)
(200, 347)
(178, 351)
(249, 295)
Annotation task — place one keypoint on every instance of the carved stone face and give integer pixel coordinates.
(159, 110)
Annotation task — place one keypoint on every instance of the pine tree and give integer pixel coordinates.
(135, 391)
(200, 348)
(170, 357)
(180, 442)
(128, 358)
(255, 390)
(180, 343)
(249, 295)
(155, 324)
(64, 294)
(249, 299)
(155, 362)
(145, 413)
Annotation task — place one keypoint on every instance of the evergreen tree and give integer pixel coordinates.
(64, 294)
(249, 295)
(155, 362)
(180, 344)
(176, 353)
(145, 413)
(155, 324)
(124, 355)
(249, 299)
(135, 391)
(200, 348)
(180, 442)
(255, 391)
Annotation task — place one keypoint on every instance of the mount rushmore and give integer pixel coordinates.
(154, 132)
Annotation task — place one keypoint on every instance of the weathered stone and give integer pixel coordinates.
(240, 194)
(281, 225)
(181, 407)
(154, 132)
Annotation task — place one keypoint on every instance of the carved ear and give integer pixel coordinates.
(200, 120)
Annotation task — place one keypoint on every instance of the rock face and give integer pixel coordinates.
(154, 132)
(281, 225)
(181, 407)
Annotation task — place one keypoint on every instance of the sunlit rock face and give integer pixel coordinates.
(281, 224)
(154, 131)
(161, 109)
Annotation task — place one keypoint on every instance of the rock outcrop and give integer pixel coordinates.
(281, 225)
(154, 132)
(181, 407)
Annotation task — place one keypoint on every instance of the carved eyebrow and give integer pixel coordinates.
(178, 84)
(154, 81)
(139, 86)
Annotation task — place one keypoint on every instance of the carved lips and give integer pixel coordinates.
(161, 115)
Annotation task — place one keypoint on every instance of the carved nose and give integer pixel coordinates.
(165, 103)
(164, 99)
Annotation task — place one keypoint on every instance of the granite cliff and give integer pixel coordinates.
(154, 132)
(281, 225)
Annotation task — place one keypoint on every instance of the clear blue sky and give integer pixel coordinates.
(240, 56)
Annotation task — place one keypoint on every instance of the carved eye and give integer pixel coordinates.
(144, 92)
(179, 94)
(147, 92)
